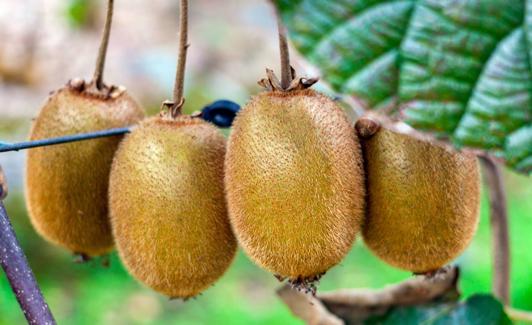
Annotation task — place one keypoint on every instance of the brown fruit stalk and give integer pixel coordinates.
(168, 208)
(423, 198)
(294, 181)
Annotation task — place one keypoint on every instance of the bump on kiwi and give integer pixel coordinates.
(66, 185)
(423, 199)
(168, 209)
(294, 183)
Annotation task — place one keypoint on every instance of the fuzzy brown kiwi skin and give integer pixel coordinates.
(168, 209)
(294, 183)
(66, 185)
(423, 200)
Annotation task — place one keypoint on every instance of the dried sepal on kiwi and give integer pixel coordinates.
(272, 83)
(170, 109)
(89, 89)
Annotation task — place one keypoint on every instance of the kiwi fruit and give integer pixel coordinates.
(423, 198)
(168, 210)
(66, 185)
(294, 181)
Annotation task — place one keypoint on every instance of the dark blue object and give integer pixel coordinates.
(221, 112)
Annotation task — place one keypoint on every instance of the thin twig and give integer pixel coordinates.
(4, 147)
(20, 275)
(286, 70)
(181, 57)
(102, 51)
(499, 228)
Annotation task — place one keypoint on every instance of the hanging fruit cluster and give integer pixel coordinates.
(294, 187)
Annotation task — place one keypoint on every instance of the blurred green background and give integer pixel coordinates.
(225, 62)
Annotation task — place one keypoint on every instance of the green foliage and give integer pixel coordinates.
(458, 69)
(478, 309)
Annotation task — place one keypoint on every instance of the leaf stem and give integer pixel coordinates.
(286, 70)
(181, 59)
(499, 227)
(102, 51)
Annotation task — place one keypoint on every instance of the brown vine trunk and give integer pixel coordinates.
(18, 271)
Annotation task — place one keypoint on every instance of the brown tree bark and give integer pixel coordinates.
(18, 271)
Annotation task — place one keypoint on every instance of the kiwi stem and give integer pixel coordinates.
(286, 70)
(499, 229)
(181, 59)
(102, 51)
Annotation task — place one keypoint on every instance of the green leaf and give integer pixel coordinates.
(477, 310)
(500, 102)
(460, 69)
(519, 148)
